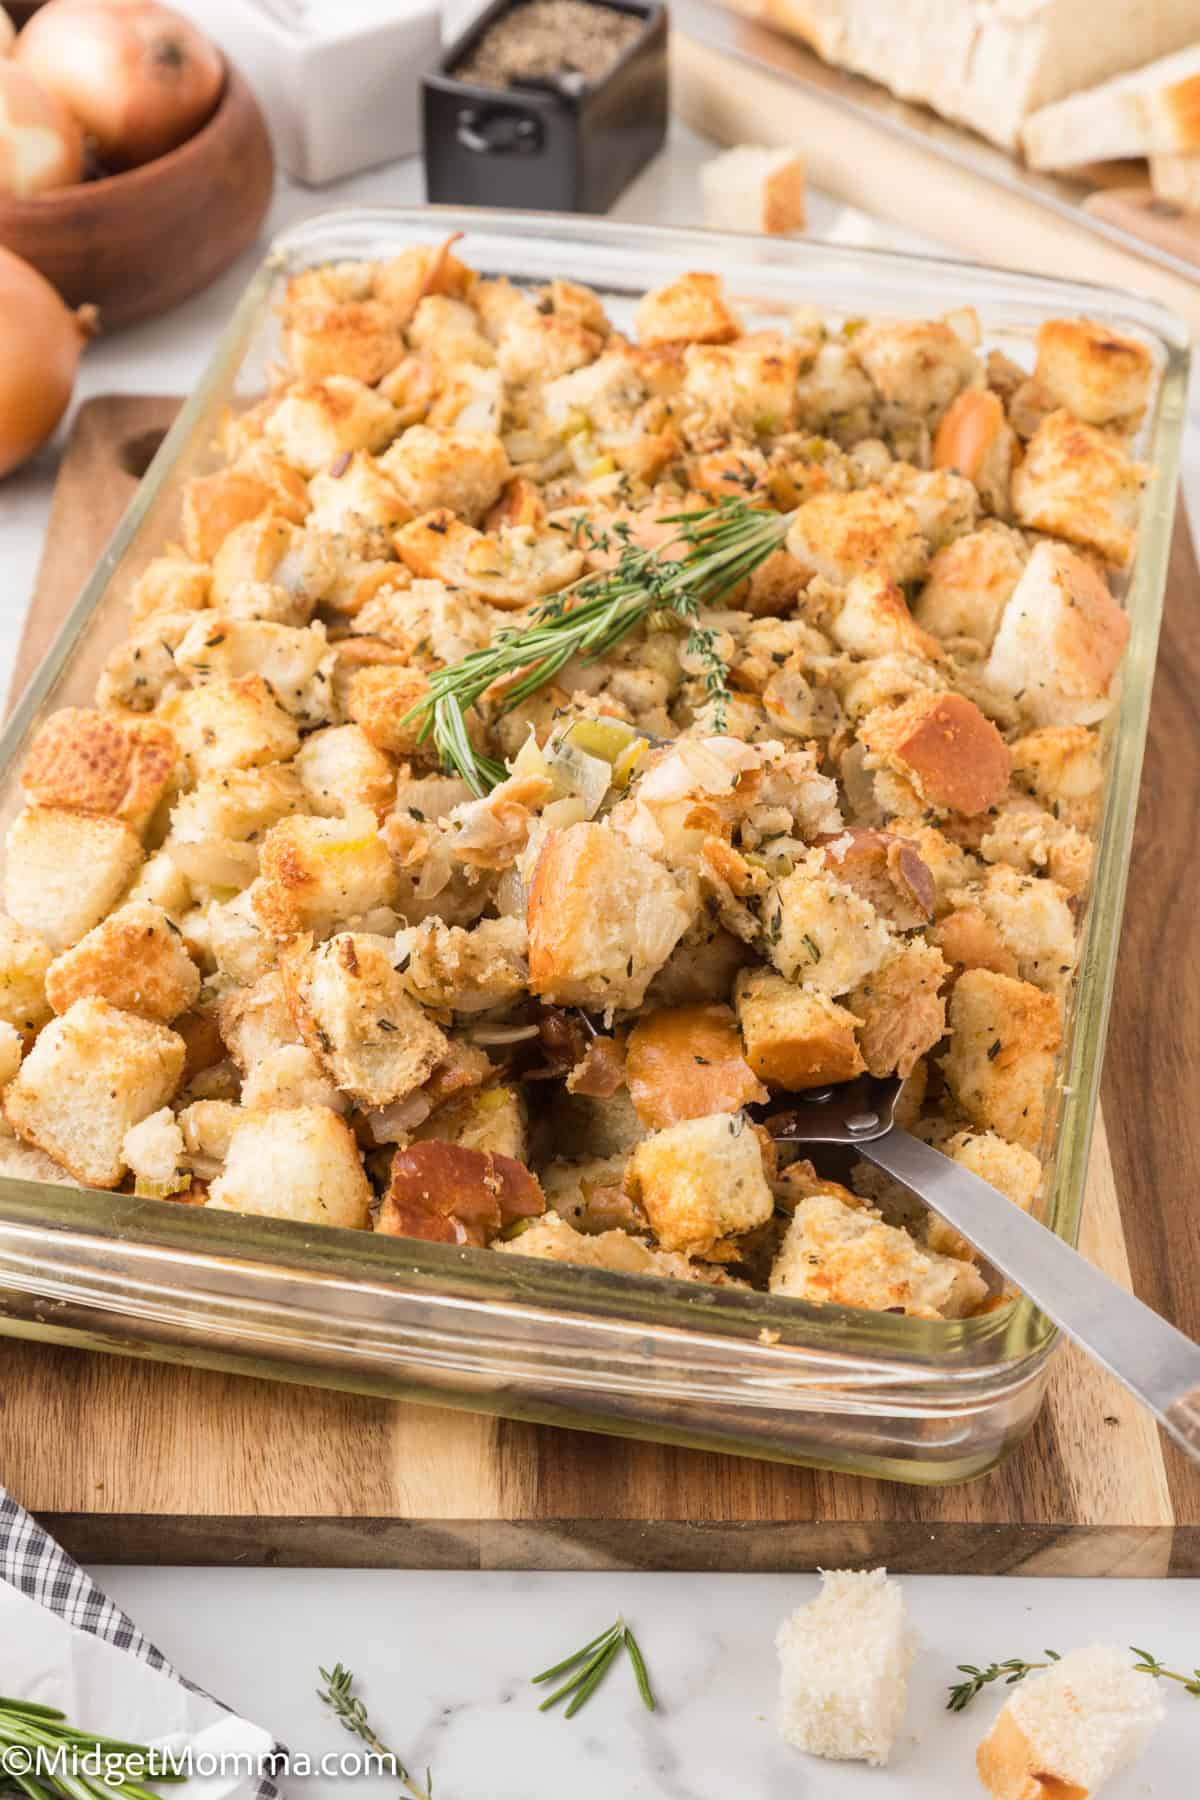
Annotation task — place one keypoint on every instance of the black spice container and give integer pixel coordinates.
(546, 147)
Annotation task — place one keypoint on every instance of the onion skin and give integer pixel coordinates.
(41, 145)
(139, 78)
(40, 347)
(8, 32)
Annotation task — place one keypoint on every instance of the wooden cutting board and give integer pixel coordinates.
(144, 1462)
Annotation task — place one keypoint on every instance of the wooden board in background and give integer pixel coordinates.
(131, 1461)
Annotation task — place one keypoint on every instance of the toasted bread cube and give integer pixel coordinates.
(321, 873)
(874, 619)
(65, 870)
(299, 564)
(754, 189)
(1061, 640)
(448, 329)
(449, 1194)
(360, 338)
(94, 762)
(1062, 1733)
(681, 1062)
(1061, 766)
(690, 310)
(452, 970)
(256, 1020)
(1034, 841)
(970, 583)
(214, 505)
(317, 421)
(356, 500)
(134, 959)
(298, 1163)
(885, 869)
(603, 918)
(842, 535)
(944, 504)
(169, 584)
(288, 1077)
(846, 1256)
(214, 829)
(701, 1181)
(492, 1119)
(24, 959)
(236, 942)
(154, 1151)
(1004, 1036)
(1013, 1172)
(918, 365)
(231, 725)
(353, 1012)
(378, 699)
(92, 1074)
(795, 1037)
(747, 387)
(508, 568)
(968, 939)
(1101, 376)
(819, 932)
(12, 1048)
(223, 649)
(942, 746)
(463, 471)
(341, 769)
(900, 1010)
(552, 1239)
(1035, 920)
(843, 1666)
(1078, 483)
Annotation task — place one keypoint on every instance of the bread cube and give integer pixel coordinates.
(552, 1239)
(154, 1151)
(20, 1161)
(463, 471)
(886, 870)
(944, 504)
(361, 338)
(508, 568)
(1061, 640)
(537, 346)
(134, 959)
(819, 932)
(448, 329)
(236, 942)
(1101, 376)
(918, 365)
(1063, 1732)
(317, 421)
(842, 535)
(230, 725)
(12, 1048)
(354, 1013)
(1061, 766)
(257, 1020)
(92, 1074)
(288, 1077)
(846, 1256)
(356, 500)
(901, 1013)
(689, 310)
(685, 1062)
(269, 550)
(874, 619)
(453, 970)
(95, 762)
(1004, 1037)
(603, 918)
(320, 873)
(1035, 920)
(969, 585)
(378, 698)
(795, 1037)
(24, 959)
(753, 189)
(1078, 483)
(834, 390)
(843, 1668)
(701, 1181)
(968, 939)
(449, 1194)
(65, 870)
(1012, 1171)
(941, 745)
(214, 505)
(340, 769)
(169, 584)
(748, 387)
(1033, 840)
(214, 829)
(223, 649)
(298, 1163)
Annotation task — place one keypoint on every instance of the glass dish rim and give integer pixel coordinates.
(1018, 1330)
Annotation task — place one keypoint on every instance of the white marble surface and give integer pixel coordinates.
(444, 1656)
(443, 1662)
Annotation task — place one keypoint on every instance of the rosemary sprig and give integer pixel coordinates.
(726, 543)
(591, 1664)
(351, 1714)
(47, 1758)
(963, 1692)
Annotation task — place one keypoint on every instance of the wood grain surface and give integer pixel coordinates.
(132, 1461)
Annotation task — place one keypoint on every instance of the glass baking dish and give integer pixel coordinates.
(914, 1400)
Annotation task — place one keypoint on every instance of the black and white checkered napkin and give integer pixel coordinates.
(38, 1567)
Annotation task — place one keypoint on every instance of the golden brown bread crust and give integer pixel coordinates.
(1006, 1764)
(685, 1062)
(214, 505)
(953, 755)
(796, 1038)
(97, 762)
(449, 1194)
(134, 959)
(690, 310)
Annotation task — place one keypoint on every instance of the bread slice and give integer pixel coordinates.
(1175, 178)
(1153, 109)
(752, 189)
(1062, 1734)
(987, 66)
(843, 1668)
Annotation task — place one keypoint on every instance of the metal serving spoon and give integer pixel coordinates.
(1157, 1363)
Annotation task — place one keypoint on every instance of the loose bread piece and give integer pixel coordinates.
(795, 1037)
(1061, 640)
(134, 959)
(1100, 375)
(753, 189)
(96, 762)
(1004, 1034)
(65, 870)
(1153, 109)
(301, 1164)
(701, 1181)
(24, 959)
(1064, 1732)
(835, 1254)
(843, 1667)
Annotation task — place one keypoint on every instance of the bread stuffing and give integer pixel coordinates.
(553, 742)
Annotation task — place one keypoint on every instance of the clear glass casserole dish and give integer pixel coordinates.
(903, 1398)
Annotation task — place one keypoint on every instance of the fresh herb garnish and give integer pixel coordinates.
(963, 1692)
(591, 1664)
(726, 543)
(43, 1756)
(351, 1714)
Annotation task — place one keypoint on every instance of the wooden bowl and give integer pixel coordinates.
(138, 243)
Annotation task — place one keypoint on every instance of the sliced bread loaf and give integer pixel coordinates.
(1153, 110)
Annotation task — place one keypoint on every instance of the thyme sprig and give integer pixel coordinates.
(338, 1694)
(591, 1664)
(1015, 1669)
(726, 543)
(42, 1755)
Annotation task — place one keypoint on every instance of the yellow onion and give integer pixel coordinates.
(39, 354)
(8, 32)
(41, 145)
(138, 77)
